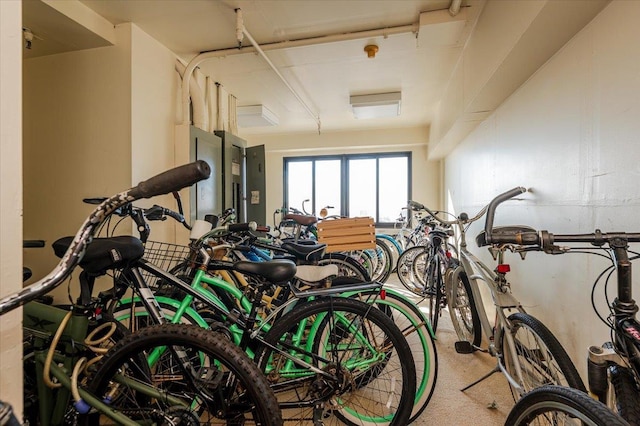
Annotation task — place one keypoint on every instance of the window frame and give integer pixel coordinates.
(344, 178)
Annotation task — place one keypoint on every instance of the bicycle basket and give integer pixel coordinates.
(166, 256)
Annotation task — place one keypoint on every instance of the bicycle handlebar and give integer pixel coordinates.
(491, 211)
(169, 181)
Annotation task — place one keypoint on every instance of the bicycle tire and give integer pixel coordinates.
(392, 405)
(347, 266)
(414, 325)
(384, 264)
(434, 284)
(462, 307)
(551, 405)
(405, 269)
(394, 250)
(626, 397)
(542, 359)
(223, 368)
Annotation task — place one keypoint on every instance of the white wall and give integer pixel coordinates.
(11, 198)
(77, 140)
(426, 175)
(153, 116)
(571, 134)
(91, 115)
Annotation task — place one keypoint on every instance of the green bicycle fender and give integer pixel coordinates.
(400, 295)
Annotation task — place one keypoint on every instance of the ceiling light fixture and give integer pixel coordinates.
(378, 105)
(255, 116)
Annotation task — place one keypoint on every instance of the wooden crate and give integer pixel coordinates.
(353, 233)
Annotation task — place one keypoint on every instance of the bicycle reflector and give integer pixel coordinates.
(503, 268)
(383, 294)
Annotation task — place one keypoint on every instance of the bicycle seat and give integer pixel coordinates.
(275, 271)
(301, 219)
(481, 239)
(104, 253)
(305, 251)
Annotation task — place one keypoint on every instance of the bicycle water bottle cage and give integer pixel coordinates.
(301, 219)
(503, 231)
(304, 251)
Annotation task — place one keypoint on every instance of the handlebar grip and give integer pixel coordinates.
(32, 243)
(171, 180)
(263, 228)
(242, 227)
(415, 205)
(491, 209)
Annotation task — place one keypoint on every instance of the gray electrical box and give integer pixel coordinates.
(206, 196)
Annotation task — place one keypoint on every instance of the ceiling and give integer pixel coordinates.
(317, 46)
(323, 74)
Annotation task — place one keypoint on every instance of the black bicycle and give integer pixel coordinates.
(166, 374)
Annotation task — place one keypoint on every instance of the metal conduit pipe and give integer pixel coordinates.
(454, 9)
(286, 83)
(242, 31)
(196, 94)
(197, 60)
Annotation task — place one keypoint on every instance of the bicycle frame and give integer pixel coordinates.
(40, 323)
(246, 326)
(503, 300)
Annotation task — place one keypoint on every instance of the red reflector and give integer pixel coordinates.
(503, 268)
(448, 254)
(383, 294)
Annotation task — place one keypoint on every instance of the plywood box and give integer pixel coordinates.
(353, 233)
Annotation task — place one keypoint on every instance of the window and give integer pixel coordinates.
(376, 185)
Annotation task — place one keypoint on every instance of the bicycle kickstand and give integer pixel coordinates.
(486, 376)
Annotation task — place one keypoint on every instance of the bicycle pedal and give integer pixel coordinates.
(463, 347)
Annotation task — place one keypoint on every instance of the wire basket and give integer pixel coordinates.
(166, 256)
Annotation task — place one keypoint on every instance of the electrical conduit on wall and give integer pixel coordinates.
(197, 99)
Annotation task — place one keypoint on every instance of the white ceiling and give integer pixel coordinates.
(324, 75)
(417, 52)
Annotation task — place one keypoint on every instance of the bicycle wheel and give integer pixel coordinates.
(625, 398)
(347, 266)
(558, 405)
(462, 308)
(542, 360)
(368, 370)
(431, 274)
(224, 385)
(383, 264)
(414, 326)
(394, 250)
(406, 271)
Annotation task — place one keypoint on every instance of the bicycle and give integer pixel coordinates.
(313, 364)
(526, 352)
(422, 268)
(211, 378)
(613, 368)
